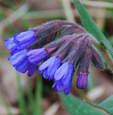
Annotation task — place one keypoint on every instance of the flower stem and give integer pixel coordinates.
(79, 91)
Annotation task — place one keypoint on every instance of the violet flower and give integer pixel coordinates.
(49, 67)
(72, 49)
(82, 80)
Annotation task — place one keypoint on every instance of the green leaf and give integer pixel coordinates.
(106, 105)
(20, 95)
(105, 46)
(90, 25)
(77, 107)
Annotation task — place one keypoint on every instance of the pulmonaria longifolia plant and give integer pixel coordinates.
(62, 46)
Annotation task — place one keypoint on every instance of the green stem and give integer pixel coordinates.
(91, 83)
(21, 97)
(30, 97)
(79, 91)
(5, 103)
(39, 95)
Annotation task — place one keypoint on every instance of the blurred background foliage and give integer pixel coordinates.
(20, 95)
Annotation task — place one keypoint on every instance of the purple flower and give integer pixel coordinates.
(49, 67)
(37, 55)
(61, 87)
(21, 63)
(24, 39)
(32, 69)
(64, 73)
(55, 42)
(82, 80)
(66, 80)
(20, 56)
(15, 50)
(63, 78)
(20, 41)
(10, 44)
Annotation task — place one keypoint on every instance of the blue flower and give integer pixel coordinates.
(10, 44)
(21, 63)
(64, 74)
(49, 67)
(32, 69)
(37, 55)
(62, 71)
(73, 48)
(20, 56)
(20, 41)
(15, 50)
(61, 87)
(24, 39)
(82, 80)
(63, 78)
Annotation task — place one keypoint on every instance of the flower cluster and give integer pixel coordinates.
(72, 49)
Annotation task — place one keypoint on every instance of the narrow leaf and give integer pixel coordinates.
(90, 25)
(77, 107)
(106, 105)
(105, 46)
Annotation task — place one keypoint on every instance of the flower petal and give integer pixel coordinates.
(67, 90)
(35, 51)
(45, 75)
(44, 65)
(23, 36)
(10, 44)
(55, 64)
(31, 70)
(82, 80)
(18, 56)
(61, 71)
(67, 78)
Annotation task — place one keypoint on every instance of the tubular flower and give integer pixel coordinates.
(73, 48)
(63, 78)
(49, 67)
(82, 80)
(37, 55)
